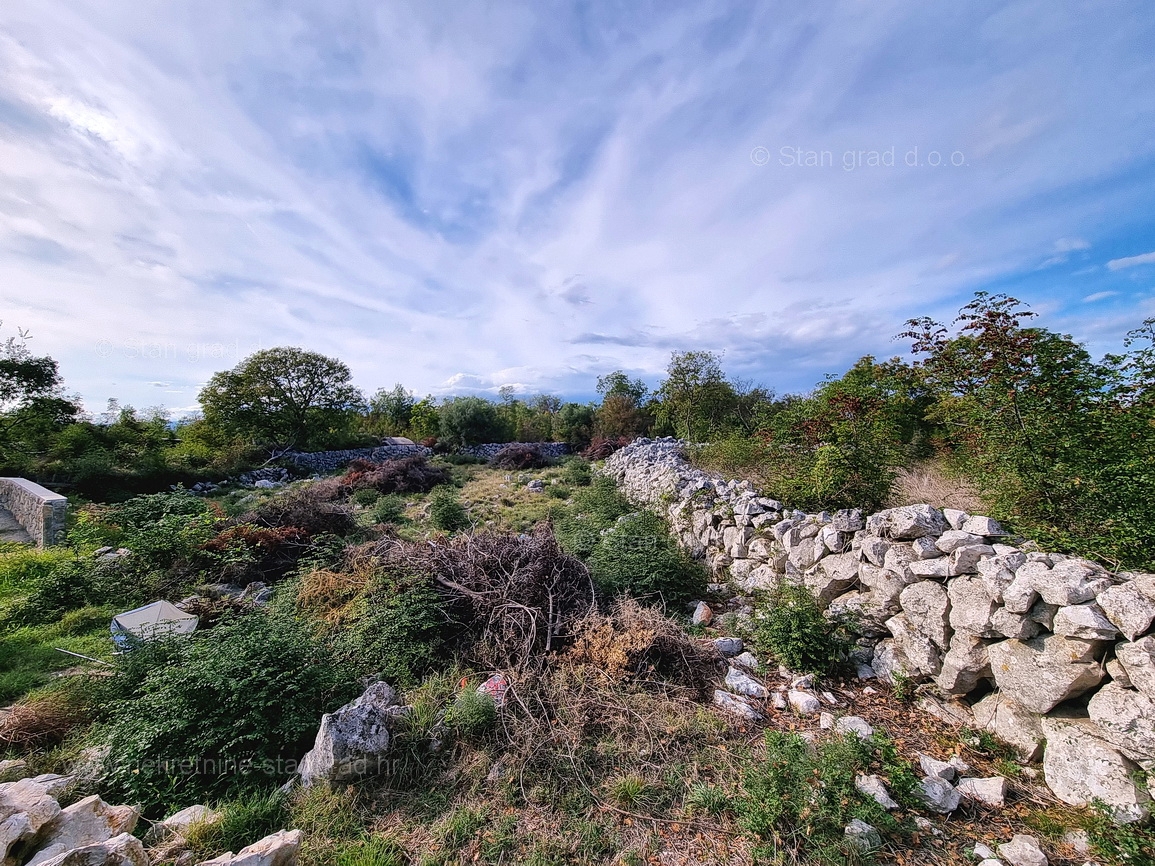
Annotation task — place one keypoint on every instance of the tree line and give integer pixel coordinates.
(1057, 443)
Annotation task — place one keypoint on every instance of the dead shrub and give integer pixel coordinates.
(519, 456)
(518, 597)
(307, 510)
(42, 721)
(327, 595)
(601, 447)
(638, 643)
(406, 475)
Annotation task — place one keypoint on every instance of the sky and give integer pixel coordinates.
(461, 196)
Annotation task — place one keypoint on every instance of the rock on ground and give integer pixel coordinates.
(1015, 725)
(736, 705)
(862, 837)
(1079, 768)
(938, 795)
(121, 850)
(351, 740)
(1126, 719)
(990, 791)
(873, 787)
(279, 849)
(1023, 851)
(87, 822)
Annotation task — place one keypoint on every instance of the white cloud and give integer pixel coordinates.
(1131, 261)
(1098, 296)
(514, 196)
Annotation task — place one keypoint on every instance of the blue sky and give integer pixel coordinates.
(460, 196)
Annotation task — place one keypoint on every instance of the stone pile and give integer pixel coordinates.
(36, 831)
(1042, 647)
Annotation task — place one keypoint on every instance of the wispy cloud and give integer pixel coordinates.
(464, 196)
(1131, 261)
(1098, 296)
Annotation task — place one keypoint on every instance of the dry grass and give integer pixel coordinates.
(930, 483)
(41, 721)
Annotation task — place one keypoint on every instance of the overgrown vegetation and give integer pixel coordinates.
(794, 629)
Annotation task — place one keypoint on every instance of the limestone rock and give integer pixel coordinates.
(966, 664)
(938, 795)
(953, 539)
(1020, 594)
(25, 808)
(86, 822)
(1014, 625)
(971, 606)
(990, 791)
(1126, 719)
(925, 548)
(1084, 621)
(873, 549)
(923, 656)
(703, 614)
(803, 703)
(908, 522)
(862, 837)
(965, 560)
(1118, 673)
(279, 849)
(1079, 768)
(1013, 724)
(931, 569)
(743, 684)
(955, 518)
(351, 740)
(873, 787)
(1045, 671)
(854, 725)
(998, 571)
(832, 576)
(736, 705)
(1023, 851)
(1138, 659)
(729, 646)
(848, 520)
(12, 770)
(123, 849)
(986, 526)
(178, 823)
(888, 662)
(1071, 581)
(926, 605)
(1130, 606)
(935, 767)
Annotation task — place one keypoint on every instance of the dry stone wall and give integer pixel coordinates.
(331, 461)
(41, 512)
(1052, 653)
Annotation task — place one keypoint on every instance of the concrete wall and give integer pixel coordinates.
(40, 511)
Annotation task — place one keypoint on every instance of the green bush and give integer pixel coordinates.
(389, 509)
(1127, 844)
(401, 632)
(576, 471)
(578, 528)
(794, 630)
(234, 704)
(365, 496)
(799, 798)
(637, 557)
(446, 511)
(470, 421)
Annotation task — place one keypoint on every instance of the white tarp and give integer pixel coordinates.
(153, 620)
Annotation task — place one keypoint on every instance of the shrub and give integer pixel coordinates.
(797, 800)
(231, 707)
(402, 631)
(406, 475)
(795, 631)
(446, 511)
(637, 557)
(601, 447)
(593, 509)
(469, 421)
(577, 471)
(519, 456)
(389, 509)
(305, 509)
(365, 496)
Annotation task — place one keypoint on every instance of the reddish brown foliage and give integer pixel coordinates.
(407, 475)
(519, 456)
(601, 447)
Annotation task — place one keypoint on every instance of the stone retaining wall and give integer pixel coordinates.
(41, 512)
(549, 450)
(331, 461)
(1052, 653)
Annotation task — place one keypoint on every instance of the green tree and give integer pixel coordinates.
(284, 398)
(696, 401)
(470, 421)
(33, 409)
(574, 424)
(390, 411)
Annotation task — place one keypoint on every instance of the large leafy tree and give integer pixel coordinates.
(33, 408)
(284, 398)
